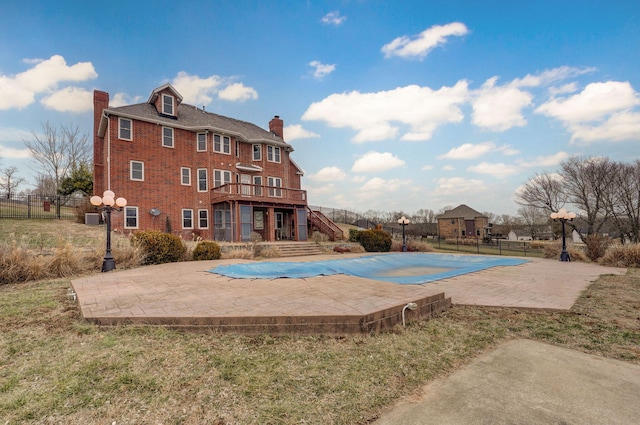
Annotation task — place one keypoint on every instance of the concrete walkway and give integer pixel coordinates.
(528, 383)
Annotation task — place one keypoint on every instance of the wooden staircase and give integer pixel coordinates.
(295, 249)
(324, 224)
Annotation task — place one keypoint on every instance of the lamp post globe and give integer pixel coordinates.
(403, 221)
(106, 203)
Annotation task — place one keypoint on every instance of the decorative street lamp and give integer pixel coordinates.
(563, 216)
(107, 201)
(403, 221)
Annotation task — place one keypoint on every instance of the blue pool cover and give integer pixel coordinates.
(403, 268)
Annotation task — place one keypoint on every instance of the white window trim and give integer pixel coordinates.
(173, 105)
(128, 207)
(198, 142)
(271, 154)
(222, 173)
(183, 217)
(182, 176)
(206, 218)
(173, 136)
(259, 152)
(206, 179)
(222, 144)
(131, 170)
(120, 119)
(274, 187)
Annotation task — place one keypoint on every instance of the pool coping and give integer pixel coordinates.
(186, 294)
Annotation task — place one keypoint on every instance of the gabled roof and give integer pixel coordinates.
(156, 92)
(192, 118)
(462, 211)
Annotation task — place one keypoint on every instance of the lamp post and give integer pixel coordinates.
(106, 203)
(563, 216)
(403, 221)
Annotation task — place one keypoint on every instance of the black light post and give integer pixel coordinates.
(563, 216)
(403, 221)
(107, 201)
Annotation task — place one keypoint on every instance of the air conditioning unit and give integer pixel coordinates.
(91, 219)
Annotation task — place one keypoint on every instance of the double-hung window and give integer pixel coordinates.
(130, 217)
(221, 177)
(167, 104)
(275, 185)
(222, 144)
(124, 129)
(187, 219)
(257, 152)
(167, 137)
(203, 219)
(185, 176)
(257, 185)
(273, 154)
(202, 180)
(136, 170)
(202, 142)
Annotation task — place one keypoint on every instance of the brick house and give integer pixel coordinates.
(193, 172)
(463, 222)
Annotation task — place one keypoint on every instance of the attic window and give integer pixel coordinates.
(167, 104)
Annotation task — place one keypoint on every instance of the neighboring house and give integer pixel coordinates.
(196, 173)
(519, 235)
(463, 222)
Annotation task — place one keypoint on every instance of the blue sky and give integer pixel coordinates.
(389, 105)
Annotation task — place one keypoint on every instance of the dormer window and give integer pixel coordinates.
(167, 105)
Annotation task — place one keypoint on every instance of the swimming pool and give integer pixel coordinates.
(403, 268)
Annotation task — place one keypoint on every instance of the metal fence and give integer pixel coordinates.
(40, 206)
(492, 247)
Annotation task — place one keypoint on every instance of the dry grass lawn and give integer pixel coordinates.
(56, 368)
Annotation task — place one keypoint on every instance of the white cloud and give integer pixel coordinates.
(426, 167)
(372, 114)
(420, 45)
(69, 99)
(333, 18)
(321, 69)
(376, 187)
(499, 108)
(328, 174)
(195, 90)
(469, 151)
(549, 76)
(8, 134)
(238, 92)
(12, 153)
(494, 169)
(372, 162)
(200, 91)
(295, 131)
(448, 168)
(121, 99)
(457, 185)
(602, 111)
(546, 161)
(19, 91)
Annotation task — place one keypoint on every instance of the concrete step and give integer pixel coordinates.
(296, 249)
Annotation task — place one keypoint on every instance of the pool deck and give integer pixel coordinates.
(186, 294)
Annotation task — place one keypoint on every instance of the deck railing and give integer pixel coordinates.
(260, 193)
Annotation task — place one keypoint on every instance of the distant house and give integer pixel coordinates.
(463, 222)
(189, 171)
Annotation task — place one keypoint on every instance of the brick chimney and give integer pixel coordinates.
(100, 103)
(276, 126)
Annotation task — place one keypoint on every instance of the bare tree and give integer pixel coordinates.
(57, 150)
(533, 219)
(587, 183)
(9, 181)
(543, 191)
(623, 200)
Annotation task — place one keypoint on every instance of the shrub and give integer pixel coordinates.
(354, 235)
(596, 246)
(553, 251)
(412, 246)
(375, 240)
(207, 250)
(622, 256)
(159, 247)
